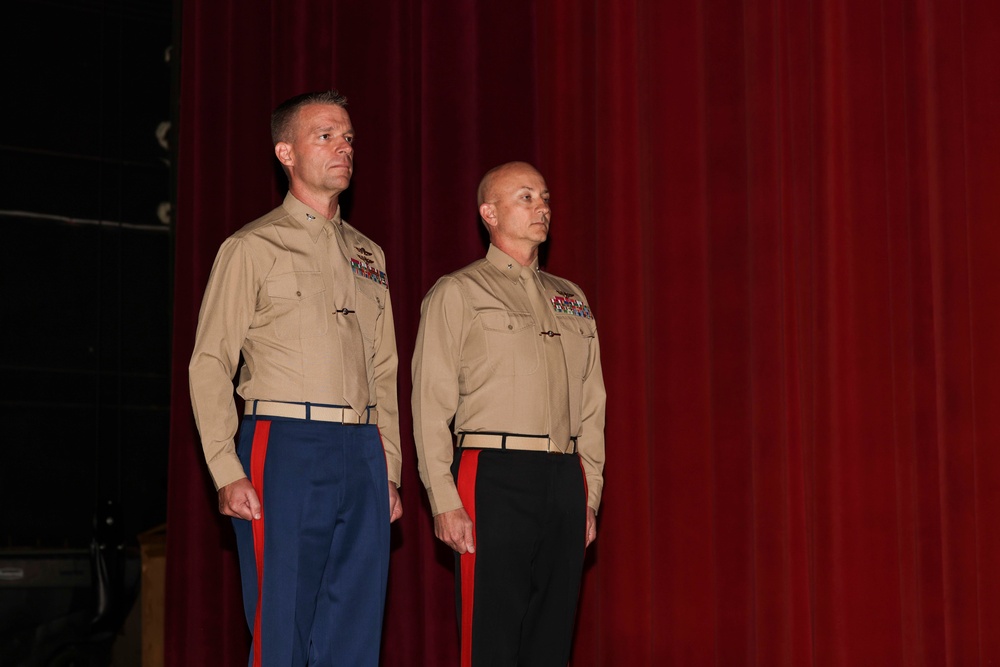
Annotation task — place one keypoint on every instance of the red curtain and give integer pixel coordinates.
(785, 215)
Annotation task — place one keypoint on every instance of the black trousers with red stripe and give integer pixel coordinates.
(517, 595)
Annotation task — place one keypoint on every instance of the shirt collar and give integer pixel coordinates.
(310, 219)
(509, 266)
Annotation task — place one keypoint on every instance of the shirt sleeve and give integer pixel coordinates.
(386, 365)
(590, 444)
(436, 368)
(226, 312)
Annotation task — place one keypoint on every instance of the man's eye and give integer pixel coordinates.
(349, 138)
(324, 136)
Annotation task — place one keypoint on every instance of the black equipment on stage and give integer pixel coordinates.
(64, 607)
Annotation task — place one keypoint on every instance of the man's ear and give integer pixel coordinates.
(488, 212)
(283, 151)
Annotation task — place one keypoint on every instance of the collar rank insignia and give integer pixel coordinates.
(363, 268)
(571, 306)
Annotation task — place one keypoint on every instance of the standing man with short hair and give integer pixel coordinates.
(312, 483)
(509, 354)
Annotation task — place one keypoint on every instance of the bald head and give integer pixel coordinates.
(514, 206)
(496, 178)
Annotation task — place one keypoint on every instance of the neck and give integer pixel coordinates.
(525, 255)
(325, 206)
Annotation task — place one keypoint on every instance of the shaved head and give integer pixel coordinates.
(495, 176)
(514, 207)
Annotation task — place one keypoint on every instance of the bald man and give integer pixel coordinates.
(509, 355)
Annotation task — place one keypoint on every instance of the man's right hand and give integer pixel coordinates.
(239, 499)
(455, 529)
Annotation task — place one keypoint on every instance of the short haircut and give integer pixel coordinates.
(284, 115)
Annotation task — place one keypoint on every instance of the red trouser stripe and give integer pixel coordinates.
(257, 456)
(467, 492)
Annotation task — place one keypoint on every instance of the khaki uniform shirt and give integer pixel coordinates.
(270, 296)
(476, 362)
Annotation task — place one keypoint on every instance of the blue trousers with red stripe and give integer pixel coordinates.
(314, 567)
(517, 593)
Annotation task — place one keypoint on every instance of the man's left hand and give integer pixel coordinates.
(395, 503)
(591, 526)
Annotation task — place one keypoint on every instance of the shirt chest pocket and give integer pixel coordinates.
(298, 302)
(511, 342)
(577, 338)
(369, 303)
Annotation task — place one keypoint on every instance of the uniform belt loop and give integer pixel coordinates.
(308, 415)
(254, 414)
(503, 442)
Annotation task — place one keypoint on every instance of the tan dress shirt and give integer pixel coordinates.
(270, 297)
(478, 364)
